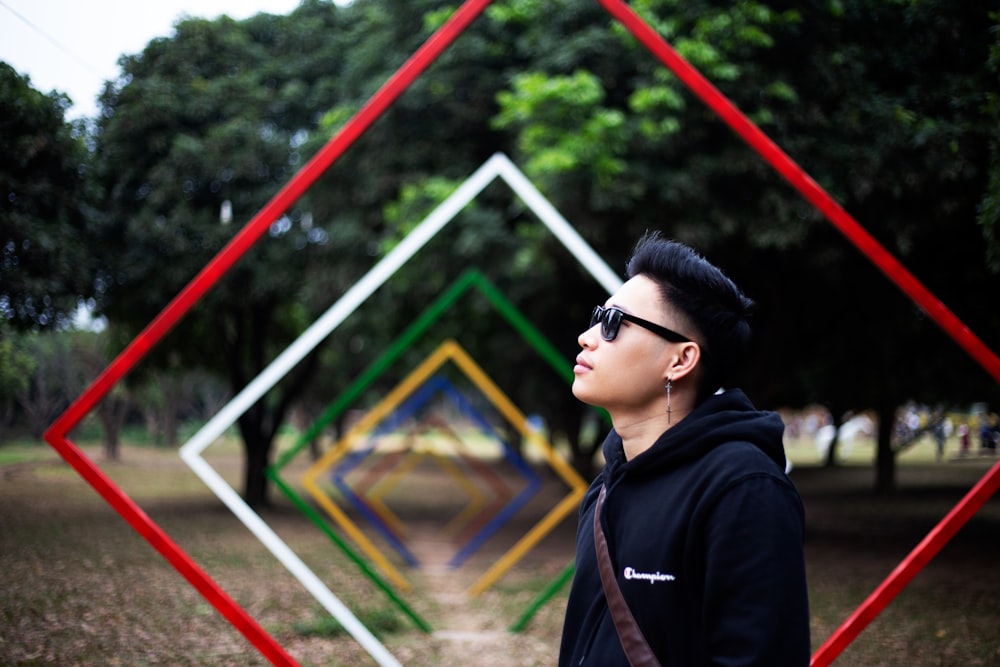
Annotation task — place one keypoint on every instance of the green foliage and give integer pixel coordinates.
(16, 368)
(44, 260)
(989, 207)
(40, 373)
(413, 205)
(545, 107)
(200, 130)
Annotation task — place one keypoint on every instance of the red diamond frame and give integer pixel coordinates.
(57, 434)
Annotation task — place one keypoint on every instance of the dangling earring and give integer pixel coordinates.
(669, 385)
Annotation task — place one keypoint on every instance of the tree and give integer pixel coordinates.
(204, 125)
(90, 352)
(891, 118)
(55, 377)
(16, 368)
(45, 267)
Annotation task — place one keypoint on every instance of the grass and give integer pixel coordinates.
(23, 451)
(78, 586)
(380, 621)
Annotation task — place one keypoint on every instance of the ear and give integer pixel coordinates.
(683, 361)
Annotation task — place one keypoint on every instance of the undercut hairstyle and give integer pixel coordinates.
(706, 297)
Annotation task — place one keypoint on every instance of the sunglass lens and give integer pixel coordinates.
(595, 317)
(611, 322)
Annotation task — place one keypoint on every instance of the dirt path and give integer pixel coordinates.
(466, 629)
(460, 619)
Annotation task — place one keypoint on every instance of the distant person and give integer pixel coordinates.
(988, 445)
(963, 439)
(699, 532)
(940, 431)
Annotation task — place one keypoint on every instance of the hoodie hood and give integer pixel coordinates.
(723, 418)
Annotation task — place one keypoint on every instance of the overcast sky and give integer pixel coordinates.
(73, 46)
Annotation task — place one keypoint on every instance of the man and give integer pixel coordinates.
(702, 527)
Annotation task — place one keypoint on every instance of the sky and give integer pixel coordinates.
(73, 46)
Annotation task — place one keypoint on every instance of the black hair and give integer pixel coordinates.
(709, 300)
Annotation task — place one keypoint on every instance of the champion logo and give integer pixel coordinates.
(651, 577)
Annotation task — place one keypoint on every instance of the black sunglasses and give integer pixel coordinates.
(611, 321)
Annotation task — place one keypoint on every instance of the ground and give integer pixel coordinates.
(80, 587)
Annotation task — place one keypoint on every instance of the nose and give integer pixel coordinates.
(586, 338)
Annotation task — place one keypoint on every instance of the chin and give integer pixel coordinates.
(582, 395)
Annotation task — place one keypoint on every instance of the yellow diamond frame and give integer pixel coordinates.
(411, 458)
(451, 351)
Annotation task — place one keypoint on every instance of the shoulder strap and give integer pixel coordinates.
(633, 642)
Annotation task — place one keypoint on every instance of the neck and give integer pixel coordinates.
(638, 433)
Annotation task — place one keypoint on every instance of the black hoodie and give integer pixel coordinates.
(705, 533)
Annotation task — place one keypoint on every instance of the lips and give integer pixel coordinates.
(582, 365)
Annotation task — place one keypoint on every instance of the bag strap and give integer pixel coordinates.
(633, 642)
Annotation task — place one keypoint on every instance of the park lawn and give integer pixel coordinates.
(79, 586)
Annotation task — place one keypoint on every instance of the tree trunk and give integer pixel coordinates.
(175, 393)
(255, 482)
(171, 429)
(885, 459)
(569, 422)
(831, 451)
(582, 460)
(112, 443)
(837, 414)
(40, 404)
(7, 413)
(112, 412)
(315, 451)
(259, 425)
